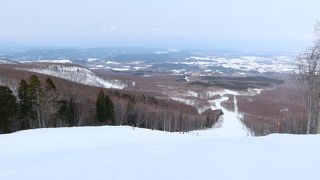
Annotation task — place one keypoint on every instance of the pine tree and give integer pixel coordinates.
(68, 112)
(8, 104)
(50, 85)
(110, 109)
(35, 95)
(72, 113)
(104, 109)
(101, 107)
(25, 105)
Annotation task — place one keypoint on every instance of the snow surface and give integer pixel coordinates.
(229, 124)
(167, 51)
(121, 153)
(77, 74)
(2, 61)
(59, 61)
(92, 59)
(244, 63)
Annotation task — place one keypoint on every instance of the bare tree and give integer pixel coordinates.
(309, 81)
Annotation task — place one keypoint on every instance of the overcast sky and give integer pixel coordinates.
(223, 24)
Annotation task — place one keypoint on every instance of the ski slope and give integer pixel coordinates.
(229, 124)
(121, 153)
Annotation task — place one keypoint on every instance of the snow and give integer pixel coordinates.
(229, 124)
(77, 74)
(92, 59)
(3, 61)
(167, 51)
(242, 64)
(186, 101)
(253, 91)
(59, 61)
(119, 69)
(121, 153)
(192, 93)
(199, 58)
(190, 98)
(112, 62)
(99, 66)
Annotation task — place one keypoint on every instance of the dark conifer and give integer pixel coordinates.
(110, 110)
(35, 95)
(101, 107)
(25, 105)
(8, 109)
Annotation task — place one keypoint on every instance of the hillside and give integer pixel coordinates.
(123, 153)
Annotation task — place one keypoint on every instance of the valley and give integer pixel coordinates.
(195, 83)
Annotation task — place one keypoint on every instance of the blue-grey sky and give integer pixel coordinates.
(223, 24)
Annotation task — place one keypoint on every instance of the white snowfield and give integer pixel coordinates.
(282, 63)
(121, 153)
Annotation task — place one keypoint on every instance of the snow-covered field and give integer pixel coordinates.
(58, 61)
(246, 63)
(123, 153)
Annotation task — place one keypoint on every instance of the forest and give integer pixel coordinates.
(42, 105)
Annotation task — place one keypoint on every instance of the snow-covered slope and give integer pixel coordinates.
(230, 123)
(60, 61)
(77, 74)
(120, 153)
(4, 61)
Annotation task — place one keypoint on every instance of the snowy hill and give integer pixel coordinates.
(5, 61)
(76, 74)
(123, 153)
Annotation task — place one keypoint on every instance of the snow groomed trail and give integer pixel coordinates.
(229, 124)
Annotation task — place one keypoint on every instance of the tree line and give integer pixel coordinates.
(38, 105)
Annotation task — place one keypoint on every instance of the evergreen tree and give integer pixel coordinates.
(101, 107)
(72, 117)
(25, 105)
(35, 95)
(110, 109)
(68, 112)
(50, 85)
(8, 108)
